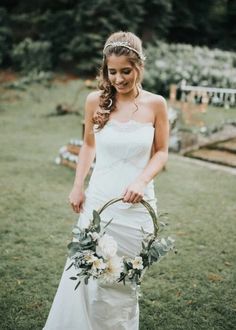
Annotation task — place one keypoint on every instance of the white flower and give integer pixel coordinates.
(137, 263)
(113, 269)
(89, 257)
(98, 263)
(107, 246)
(95, 236)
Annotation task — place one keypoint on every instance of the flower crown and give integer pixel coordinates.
(124, 44)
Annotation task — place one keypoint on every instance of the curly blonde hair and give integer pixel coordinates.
(108, 92)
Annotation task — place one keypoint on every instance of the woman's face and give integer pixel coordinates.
(121, 73)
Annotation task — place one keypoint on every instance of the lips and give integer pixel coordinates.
(121, 86)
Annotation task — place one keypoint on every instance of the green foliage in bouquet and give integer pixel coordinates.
(94, 253)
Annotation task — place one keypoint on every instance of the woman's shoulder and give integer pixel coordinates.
(93, 97)
(92, 102)
(153, 99)
(157, 104)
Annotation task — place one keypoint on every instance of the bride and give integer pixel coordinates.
(127, 129)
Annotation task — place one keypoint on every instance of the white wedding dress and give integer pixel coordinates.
(123, 149)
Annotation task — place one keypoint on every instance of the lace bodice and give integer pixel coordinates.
(123, 150)
(126, 143)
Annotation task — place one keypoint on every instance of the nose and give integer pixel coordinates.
(119, 79)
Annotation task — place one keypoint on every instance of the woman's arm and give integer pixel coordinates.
(161, 142)
(134, 193)
(86, 154)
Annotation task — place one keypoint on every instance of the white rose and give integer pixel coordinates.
(113, 269)
(107, 247)
(98, 264)
(89, 257)
(137, 263)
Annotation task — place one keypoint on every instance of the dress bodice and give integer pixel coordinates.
(123, 150)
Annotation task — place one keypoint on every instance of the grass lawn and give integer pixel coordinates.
(194, 289)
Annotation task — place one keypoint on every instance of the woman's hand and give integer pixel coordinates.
(134, 193)
(76, 199)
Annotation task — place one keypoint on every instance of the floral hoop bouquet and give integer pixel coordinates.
(94, 253)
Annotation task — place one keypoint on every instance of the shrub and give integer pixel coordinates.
(169, 64)
(5, 36)
(31, 55)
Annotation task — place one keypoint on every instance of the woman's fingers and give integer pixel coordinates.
(127, 197)
(76, 200)
(132, 197)
(77, 207)
(138, 198)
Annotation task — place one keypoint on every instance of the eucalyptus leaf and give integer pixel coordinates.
(129, 264)
(86, 240)
(149, 259)
(77, 285)
(70, 266)
(73, 249)
(143, 231)
(88, 247)
(76, 230)
(96, 218)
(108, 223)
(73, 245)
(143, 246)
(154, 253)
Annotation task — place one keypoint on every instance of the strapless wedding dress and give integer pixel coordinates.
(122, 152)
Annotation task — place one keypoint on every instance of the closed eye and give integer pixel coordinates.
(127, 71)
(123, 72)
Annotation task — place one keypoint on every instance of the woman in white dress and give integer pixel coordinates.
(127, 129)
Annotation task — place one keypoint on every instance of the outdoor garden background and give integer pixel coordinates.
(49, 55)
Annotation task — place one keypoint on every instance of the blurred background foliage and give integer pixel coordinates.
(70, 34)
(200, 66)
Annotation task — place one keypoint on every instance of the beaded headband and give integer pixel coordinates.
(124, 44)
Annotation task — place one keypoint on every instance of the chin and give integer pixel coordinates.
(125, 90)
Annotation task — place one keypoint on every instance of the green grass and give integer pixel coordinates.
(217, 115)
(194, 289)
